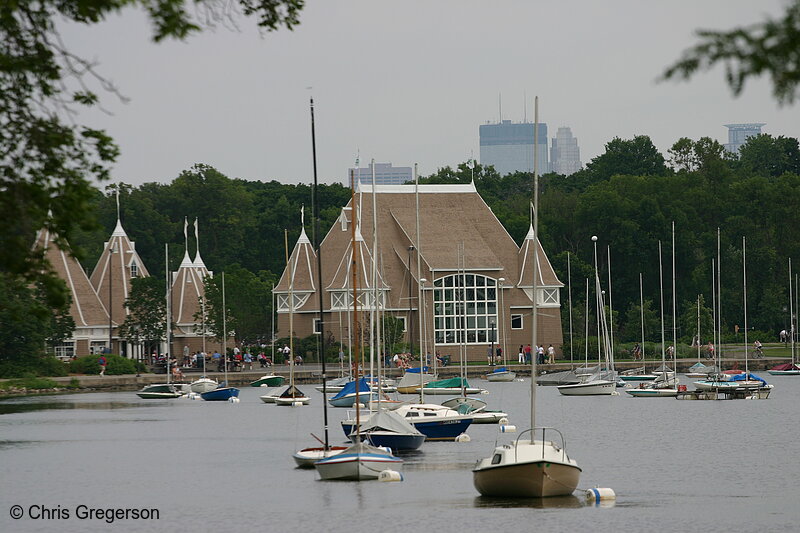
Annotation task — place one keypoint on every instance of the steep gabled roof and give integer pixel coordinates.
(86, 308)
(114, 270)
(303, 261)
(547, 276)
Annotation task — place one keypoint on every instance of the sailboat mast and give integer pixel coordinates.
(698, 328)
(421, 360)
(791, 312)
(714, 309)
(291, 308)
(610, 310)
(224, 331)
(569, 294)
(719, 305)
(674, 325)
(372, 316)
(586, 336)
(168, 309)
(318, 245)
(354, 273)
(661, 301)
(418, 244)
(744, 297)
(641, 313)
(535, 321)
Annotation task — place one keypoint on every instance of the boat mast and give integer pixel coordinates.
(610, 310)
(718, 351)
(535, 321)
(224, 331)
(744, 297)
(411, 338)
(423, 353)
(569, 293)
(372, 316)
(714, 310)
(641, 313)
(791, 312)
(291, 309)
(698, 329)
(586, 337)
(168, 309)
(354, 273)
(674, 325)
(661, 296)
(318, 242)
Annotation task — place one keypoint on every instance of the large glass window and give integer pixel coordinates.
(465, 308)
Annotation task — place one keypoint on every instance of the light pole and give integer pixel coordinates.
(491, 339)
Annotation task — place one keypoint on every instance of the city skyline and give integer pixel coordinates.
(239, 101)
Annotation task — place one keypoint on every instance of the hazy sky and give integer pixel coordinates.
(411, 81)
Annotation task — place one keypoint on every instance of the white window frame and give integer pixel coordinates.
(519, 317)
(464, 314)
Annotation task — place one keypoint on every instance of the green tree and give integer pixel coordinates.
(48, 162)
(771, 47)
(146, 322)
(765, 155)
(633, 157)
(26, 325)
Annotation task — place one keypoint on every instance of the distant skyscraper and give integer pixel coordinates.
(508, 146)
(738, 134)
(565, 156)
(385, 174)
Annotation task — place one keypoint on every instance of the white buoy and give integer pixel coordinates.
(297, 404)
(192, 396)
(390, 475)
(233, 399)
(598, 495)
(359, 406)
(508, 428)
(463, 438)
(615, 393)
(503, 421)
(484, 391)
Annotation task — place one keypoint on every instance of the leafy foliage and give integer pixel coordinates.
(147, 305)
(771, 47)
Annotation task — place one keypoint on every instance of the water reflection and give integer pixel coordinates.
(8, 408)
(556, 502)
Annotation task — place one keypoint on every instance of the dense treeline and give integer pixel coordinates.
(628, 196)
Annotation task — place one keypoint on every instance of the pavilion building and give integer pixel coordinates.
(476, 282)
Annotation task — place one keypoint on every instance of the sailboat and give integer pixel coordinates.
(167, 390)
(382, 428)
(529, 468)
(789, 369)
(223, 392)
(308, 456)
(666, 383)
(361, 461)
(292, 396)
(600, 382)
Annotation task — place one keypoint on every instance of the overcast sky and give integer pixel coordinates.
(411, 81)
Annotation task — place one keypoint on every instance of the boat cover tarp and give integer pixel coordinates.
(350, 388)
(785, 367)
(500, 369)
(292, 392)
(565, 377)
(452, 383)
(388, 421)
(425, 369)
(748, 377)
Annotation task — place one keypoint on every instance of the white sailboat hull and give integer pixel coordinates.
(590, 388)
(501, 377)
(203, 385)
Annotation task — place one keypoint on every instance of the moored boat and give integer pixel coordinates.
(361, 461)
(268, 380)
(501, 374)
(161, 390)
(203, 384)
(527, 469)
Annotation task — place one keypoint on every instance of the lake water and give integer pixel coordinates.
(676, 465)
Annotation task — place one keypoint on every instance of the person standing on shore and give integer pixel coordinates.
(102, 362)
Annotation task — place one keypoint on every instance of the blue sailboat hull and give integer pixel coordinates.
(221, 394)
(432, 430)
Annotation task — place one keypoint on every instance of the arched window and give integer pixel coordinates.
(465, 308)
